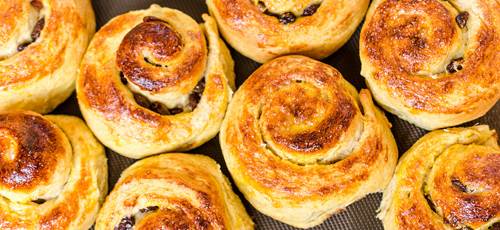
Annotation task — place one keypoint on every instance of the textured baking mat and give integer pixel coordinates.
(359, 215)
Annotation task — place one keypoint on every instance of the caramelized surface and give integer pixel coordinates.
(257, 29)
(53, 172)
(137, 87)
(408, 49)
(162, 47)
(447, 180)
(187, 191)
(32, 150)
(41, 47)
(295, 132)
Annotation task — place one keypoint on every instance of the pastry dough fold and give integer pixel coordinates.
(150, 82)
(447, 180)
(53, 172)
(301, 144)
(433, 63)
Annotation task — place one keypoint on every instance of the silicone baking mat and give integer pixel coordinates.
(359, 215)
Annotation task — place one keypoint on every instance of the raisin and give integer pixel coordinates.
(200, 87)
(194, 99)
(38, 29)
(176, 111)
(37, 3)
(142, 101)
(458, 184)
(310, 10)
(262, 7)
(151, 19)
(455, 65)
(123, 78)
(126, 223)
(160, 108)
(495, 226)
(39, 201)
(451, 68)
(462, 19)
(286, 18)
(149, 209)
(22, 47)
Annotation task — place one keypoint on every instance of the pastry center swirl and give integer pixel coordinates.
(417, 38)
(33, 154)
(306, 125)
(154, 57)
(465, 185)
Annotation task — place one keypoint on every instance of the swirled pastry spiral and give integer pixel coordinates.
(265, 29)
(173, 191)
(149, 83)
(449, 179)
(301, 144)
(41, 45)
(53, 172)
(433, 63)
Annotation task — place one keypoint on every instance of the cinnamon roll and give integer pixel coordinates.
(173, 191)
(301, 144)
(449, 179)
(433, 63)
(41, 45)
(53, 172)
(265, 29)
(150, 83)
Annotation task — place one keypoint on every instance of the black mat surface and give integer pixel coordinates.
(361, 214)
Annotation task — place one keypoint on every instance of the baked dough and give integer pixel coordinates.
(301, 144)
(54, 35)
(433, 63)
(173, 191)
(449, 179)
(163, 56)
(53, 172)
(254, 29)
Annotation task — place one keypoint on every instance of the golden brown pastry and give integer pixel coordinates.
(149, 82)
(266, 29)
(173, 191)
(53, 172)
(433, 63)
(41, 45)
(449, 179)
(301, 144)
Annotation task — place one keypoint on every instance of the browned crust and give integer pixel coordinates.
(479, 170)
(262, 37)
(100, 89)
(39, 147)
(62, 216)
(441, 184)
(210, 211)
(242, 15)
(164, 44)
(34, 133)
(39, 60)
(200, 206)
(280, 178)
(397, 57)
(108, 104)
